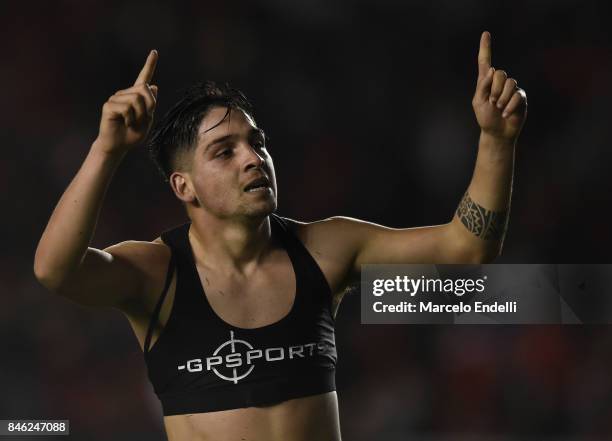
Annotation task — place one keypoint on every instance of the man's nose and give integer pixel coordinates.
(254, 159)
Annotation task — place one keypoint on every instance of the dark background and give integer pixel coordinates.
(367, 105)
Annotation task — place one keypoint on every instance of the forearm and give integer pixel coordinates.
(491, 184)
(71, 227)
(483, 211)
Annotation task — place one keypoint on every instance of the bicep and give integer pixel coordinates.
(370, 243)
(113, 277)
(431, 244)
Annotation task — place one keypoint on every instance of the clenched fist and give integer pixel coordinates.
(499, 104)
(127, 116)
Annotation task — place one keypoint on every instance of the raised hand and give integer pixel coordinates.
(499, 104)
(127, 116)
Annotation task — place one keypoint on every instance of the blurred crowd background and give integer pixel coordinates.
(367, 105)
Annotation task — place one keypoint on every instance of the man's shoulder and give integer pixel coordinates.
(333, 231)
(329, 224)
(333, 242)
(145, 255)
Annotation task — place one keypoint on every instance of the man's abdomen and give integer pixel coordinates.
(301, 419)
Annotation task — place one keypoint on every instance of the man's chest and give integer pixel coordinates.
(249, 301)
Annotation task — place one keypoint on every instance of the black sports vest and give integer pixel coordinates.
(200, 363)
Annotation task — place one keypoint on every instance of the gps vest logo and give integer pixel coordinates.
(235, 359)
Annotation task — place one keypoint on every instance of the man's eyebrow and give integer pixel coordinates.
(218, 140)
(254, 131)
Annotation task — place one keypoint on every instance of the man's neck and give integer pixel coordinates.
(235, 245)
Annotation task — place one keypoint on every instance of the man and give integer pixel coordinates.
(234, 310)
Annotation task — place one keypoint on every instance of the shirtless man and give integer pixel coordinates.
(235, 309)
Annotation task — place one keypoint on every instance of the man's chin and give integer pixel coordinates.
(262, 209)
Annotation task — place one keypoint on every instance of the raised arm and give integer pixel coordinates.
(476, 232)
(500, 107)
(64, 263)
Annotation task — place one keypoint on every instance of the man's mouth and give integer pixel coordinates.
(259, 184)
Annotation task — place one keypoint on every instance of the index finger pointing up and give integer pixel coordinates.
(146, 74)
(484, 54)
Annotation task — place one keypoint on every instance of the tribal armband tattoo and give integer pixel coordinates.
(486, 224)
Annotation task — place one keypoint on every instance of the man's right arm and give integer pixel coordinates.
(64, 262)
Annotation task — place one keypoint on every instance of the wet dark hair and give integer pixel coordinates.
(177, 131)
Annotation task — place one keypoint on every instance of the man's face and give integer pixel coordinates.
(232, 174)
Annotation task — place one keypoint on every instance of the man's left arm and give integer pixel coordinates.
(476, 232)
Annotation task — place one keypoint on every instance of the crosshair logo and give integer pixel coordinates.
(234, 359)
(232, 350)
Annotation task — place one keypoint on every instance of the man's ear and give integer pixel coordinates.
(182, 186)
